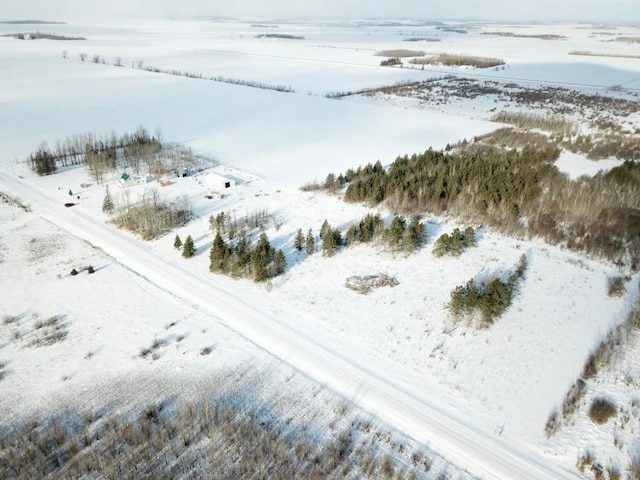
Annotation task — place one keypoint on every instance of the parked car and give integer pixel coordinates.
(69, 204)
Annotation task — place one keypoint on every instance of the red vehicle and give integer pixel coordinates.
(69, 204)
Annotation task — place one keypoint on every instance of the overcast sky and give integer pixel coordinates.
(585, 10)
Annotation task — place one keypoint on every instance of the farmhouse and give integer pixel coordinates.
(127, 180)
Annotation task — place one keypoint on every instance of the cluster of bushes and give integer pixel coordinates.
(371, 90)
(553, 124)
(229, 437)
(367, 283)
(455, 243)
(454, 60)
(626, 39)
(390, 62)
(421, 39)
(154, 217)
(48, 332)
(243, 259)
(615, 285)
(491, 298)
(400, 53)
(608, 145)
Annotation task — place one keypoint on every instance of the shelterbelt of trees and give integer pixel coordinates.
(517, 190)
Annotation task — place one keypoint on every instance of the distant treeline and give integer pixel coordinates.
(40, 36)
(544, 36)
(31, 22)
(280, 35)
(139, 64)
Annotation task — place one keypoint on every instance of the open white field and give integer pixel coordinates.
(480, 398)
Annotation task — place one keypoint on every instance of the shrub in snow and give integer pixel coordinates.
(615, 286)
(602, 410)
(370, 282)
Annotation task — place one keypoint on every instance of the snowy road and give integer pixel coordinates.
(372, 385)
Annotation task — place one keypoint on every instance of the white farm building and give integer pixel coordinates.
(219, 182)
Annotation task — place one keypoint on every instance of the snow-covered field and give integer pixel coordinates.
(480, 398)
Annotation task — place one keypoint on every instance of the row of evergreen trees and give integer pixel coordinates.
(474, 180)
(489, 298)
(259, 261)
(400, 236)
(237, 257)
(455, 243)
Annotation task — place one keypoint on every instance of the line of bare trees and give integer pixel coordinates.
(154, 216)
(103, 154)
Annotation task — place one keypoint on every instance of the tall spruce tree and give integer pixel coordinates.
(188, 249)
(107, 203)
(469, 237)
(310, 243)
(395, 233)
(330, 242)
(260, 271)
(280, 262)
(325, 229)
(298, 242)
(177, 243)
(218, 255)
(414, 236)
